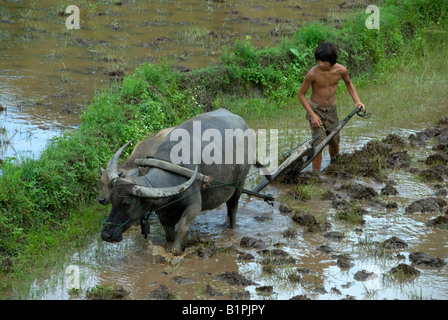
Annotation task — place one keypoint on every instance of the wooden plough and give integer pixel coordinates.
(301, 157)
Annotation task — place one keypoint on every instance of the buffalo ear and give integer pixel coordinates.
(124, 187)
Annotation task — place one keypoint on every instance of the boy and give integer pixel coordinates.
(321, 108)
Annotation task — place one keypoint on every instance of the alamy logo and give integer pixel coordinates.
(235, 147)
(72, 22)
(373, 280)
(72, 280)
(373, 21)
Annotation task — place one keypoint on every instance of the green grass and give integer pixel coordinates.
(413, 92)
(307, 191)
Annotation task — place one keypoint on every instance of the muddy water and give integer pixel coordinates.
(48, 73)
(141, 266)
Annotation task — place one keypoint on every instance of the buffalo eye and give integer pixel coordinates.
(125, 204)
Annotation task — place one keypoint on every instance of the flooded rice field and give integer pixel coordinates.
(307, 245)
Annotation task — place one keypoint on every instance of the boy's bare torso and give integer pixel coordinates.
(324, 83)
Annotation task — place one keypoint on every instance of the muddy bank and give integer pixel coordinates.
(358, 234)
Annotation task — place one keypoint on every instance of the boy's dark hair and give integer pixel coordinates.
(326, 51)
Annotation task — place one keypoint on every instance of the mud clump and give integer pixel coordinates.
(436, 172)
(365, 275)
(307, 219)
(360, 192)
(276, 257)
(441, 222)
(249, 242)
(343, 261)
(183, 280)
(442, 143)
(284, 208)
(404, 270)
(421, 137)
(211, 292)
(369, 160)
(161, 293)
(394, 140)
(204, 252)
(352, 214)
(277, 253)
(244, 256)
(431, 174)
(265, 289)
(310, 222)
(334, 235)
(394, 243)
(426, 205)
(442, 139)
(365, 162)
(389, 190)
(423, 259)
(438, 133)
(399, 159)
(340, 204)
(110, 292)
(325, 249)
(437, 158)
(300, 297)
(235, 279)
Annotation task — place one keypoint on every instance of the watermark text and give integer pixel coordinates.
(73, 20)
(373, 21)
(233, 146)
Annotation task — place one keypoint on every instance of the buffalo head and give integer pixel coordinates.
(131, 198)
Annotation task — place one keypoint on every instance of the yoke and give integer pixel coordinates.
(206, 180)
(168, 166)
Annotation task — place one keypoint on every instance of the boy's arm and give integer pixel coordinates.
(315, 121)
(351, 89)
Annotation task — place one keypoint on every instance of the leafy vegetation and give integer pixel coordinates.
(45, 202)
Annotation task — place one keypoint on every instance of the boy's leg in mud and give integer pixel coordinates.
(317, 162)
(334, 152)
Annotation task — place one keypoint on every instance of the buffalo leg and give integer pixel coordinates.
(232, 207)
(183, 225)
(169, 232)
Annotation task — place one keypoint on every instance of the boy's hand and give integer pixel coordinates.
(315, 121)
(363, 109)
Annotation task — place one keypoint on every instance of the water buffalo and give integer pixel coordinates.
(175, 198)
(145, 148)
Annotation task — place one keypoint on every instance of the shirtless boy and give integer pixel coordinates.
(321, 108)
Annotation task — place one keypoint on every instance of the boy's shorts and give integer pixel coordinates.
(329, 117)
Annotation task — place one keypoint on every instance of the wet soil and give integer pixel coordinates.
(352, 240)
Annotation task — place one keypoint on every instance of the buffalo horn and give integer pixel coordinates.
(112, 170)
(157, 193)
